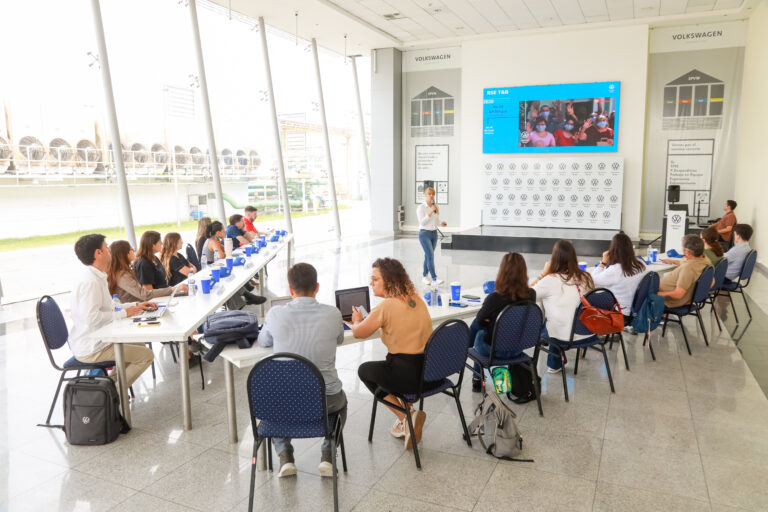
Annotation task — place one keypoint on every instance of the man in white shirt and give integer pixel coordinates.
(91, 309)
(738, 253)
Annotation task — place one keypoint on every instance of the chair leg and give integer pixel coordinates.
(202, 375)
(335, 476)
(343, 453)
(154, 375)
(576, 366)
(414, 444)
(173, 352)
(55, 398)
(253, 473)
(712, 310)
(701, 324)
(373, 420)
(269, 453)
(562, 371)
(666, 321)
(130, 390)
(624, 351)
(607, 367)
(733, 307)
(461, 416)
(421, 404)
(536, 383)
(610, 346)
(746, 304)
(685, 336)
(650, 345)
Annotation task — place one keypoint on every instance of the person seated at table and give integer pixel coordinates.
(202, 235)
(511, 286)
(235, 231)
(91, 309)
(724, 226)
(312, 330)
(677, 286)
(738, 253)
(122, 280)
(177, 267)
(712, 248)
(405, 326)
(149, 271)
(249, 215)
(620, 271)
(214, 242)
(558, 290)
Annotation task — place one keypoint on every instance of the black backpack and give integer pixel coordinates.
(522, 384)
(92, 411)
(226, 327)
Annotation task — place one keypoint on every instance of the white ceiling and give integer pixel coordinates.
(408, 23)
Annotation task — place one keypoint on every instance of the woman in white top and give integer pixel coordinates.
(620, 271)
(429, 220)
(558, 290)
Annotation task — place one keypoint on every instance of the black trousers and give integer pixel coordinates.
(398, 373)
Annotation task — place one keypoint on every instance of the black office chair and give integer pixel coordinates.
(192, 257)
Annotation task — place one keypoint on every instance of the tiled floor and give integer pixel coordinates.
(681, 433)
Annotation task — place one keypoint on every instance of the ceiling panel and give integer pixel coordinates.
(569, 12)
(519, 14)
(545, 14)
(728, 4)
(621, 9)
(471, 16)
(672, 7)
(493, 12)
(647, 8)
(425, 19)
(593, 8)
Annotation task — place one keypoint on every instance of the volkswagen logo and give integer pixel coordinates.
(615, 166)
(614, 198)
(587, 198)
(513, 166)
(524, 166)
(506, 181)
(548, 197)
(499, 196)
(575, 166)
(511, 197)
(561, 166)
(488, 167)
(581, 182)
(588, 165)
(487, 197)
(561, 197)
(601, 165)
(86, 420)
(606, 214)
(536, 197)
(574, 198)
(505, 211)
(555, 182)
(523, 197)
(595, 182)
(529, 211)
(500, 166)
(600, 198)
(494, 181)
(580, 213)
(593, 214)
(567, 213)
(569, 182)
(494, 211)
(518, 211)
(542, 212)
(518, 181)
(677, 218)
(550, 165)
(542, 181)
(537, 166)
(554, 213)
(608, 182)
(531, 181)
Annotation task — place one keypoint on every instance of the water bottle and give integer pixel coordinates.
(116, 308)
(203, 263)
(649, 255)
(433, 293)
(191, 283)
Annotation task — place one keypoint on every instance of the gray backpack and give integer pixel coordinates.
(494, 426)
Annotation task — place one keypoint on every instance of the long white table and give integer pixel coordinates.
(183, 318)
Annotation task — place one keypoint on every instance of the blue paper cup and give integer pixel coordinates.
(262, 242)
(248, 250)
(455, 291)
(654, 255)
(263, 238)
(215, 274)
(205, 284)
(230, 263)
(583, 265)
(489, 286)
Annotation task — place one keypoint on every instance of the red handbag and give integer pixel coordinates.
(601, 321)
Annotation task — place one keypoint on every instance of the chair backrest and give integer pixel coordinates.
(192, 257)
(517, 328)
(648, 284)
(53, 327)
(748, 267)
(289, 390)
(601, 298)
(720, 270)
(446, 350)
(703, 285)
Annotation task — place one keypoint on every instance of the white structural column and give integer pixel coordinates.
(275, 125)
(214, 156)
(114, 131)
(326, 140)
(363, 141)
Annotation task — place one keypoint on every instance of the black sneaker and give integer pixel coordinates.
(253, 299)
(477, 385)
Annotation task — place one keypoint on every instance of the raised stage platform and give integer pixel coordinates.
(588, 242)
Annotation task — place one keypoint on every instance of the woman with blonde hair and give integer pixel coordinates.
(428, 214)
(122, 281)
(202, 235)
(177, 267)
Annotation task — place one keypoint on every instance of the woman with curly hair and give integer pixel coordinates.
(405, 328)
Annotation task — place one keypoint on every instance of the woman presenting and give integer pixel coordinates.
(429, 220)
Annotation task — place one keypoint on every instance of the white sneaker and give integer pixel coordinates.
(287, 469)
(552, 370)
(437, 281)
(426, 280)
(325, 469)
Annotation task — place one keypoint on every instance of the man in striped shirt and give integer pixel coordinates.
(311, 330)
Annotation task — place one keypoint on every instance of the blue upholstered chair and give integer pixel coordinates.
(720, 270)
(700, 294)
(444, 356)
(517, 328)
(286, 395)
(739, 285)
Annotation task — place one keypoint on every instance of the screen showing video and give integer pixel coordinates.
(564, 118)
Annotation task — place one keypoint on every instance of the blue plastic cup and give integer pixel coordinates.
(456, 291)
(230, 263)
(215, 275)
(654, 255)
(248, 250)
(263, 238)
(489, 286)
(583, 265)
(205, 284)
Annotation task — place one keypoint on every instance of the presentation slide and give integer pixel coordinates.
(564, 118)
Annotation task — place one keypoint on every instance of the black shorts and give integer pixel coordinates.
(398, 373)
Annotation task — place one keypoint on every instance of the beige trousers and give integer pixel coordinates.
(137, 359)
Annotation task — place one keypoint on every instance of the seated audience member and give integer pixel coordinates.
(249, 216)
(738, 253)
(677, 286)
(235, 231)
(620, 271)
(122, 280)
(312, 330)
(511, 286)
(149, 271)
(558, 290)
(724, 226)
(177, 267)
(598, 134)
(405, 328)
(712, 248)
(201, 236)
(214, 242)
(539, 136)
(91, 309)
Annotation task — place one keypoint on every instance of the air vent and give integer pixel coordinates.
(393, 16)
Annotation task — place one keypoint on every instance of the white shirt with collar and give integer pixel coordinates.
(426, 221)
(90, 309)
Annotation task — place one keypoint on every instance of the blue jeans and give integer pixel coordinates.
(553, 358)
(428, 240)
(477, 335)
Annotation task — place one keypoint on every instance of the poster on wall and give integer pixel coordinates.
(432, 171)
(570, 192)
(694, 89)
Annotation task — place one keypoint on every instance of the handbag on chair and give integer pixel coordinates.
(601, 321)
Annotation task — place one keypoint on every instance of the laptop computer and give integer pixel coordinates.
(279, 301)
(160, 311)
(352, 297)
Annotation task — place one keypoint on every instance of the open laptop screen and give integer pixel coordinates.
(346, 299)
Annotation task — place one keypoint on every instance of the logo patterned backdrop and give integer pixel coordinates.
(582, 192)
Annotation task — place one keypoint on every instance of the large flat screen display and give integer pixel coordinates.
(564, 118)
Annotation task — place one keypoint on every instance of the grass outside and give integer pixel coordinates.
(115, 233)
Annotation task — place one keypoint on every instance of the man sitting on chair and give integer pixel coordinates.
(91, 309)
(311, 330)
(677, 286)
(738, 253)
